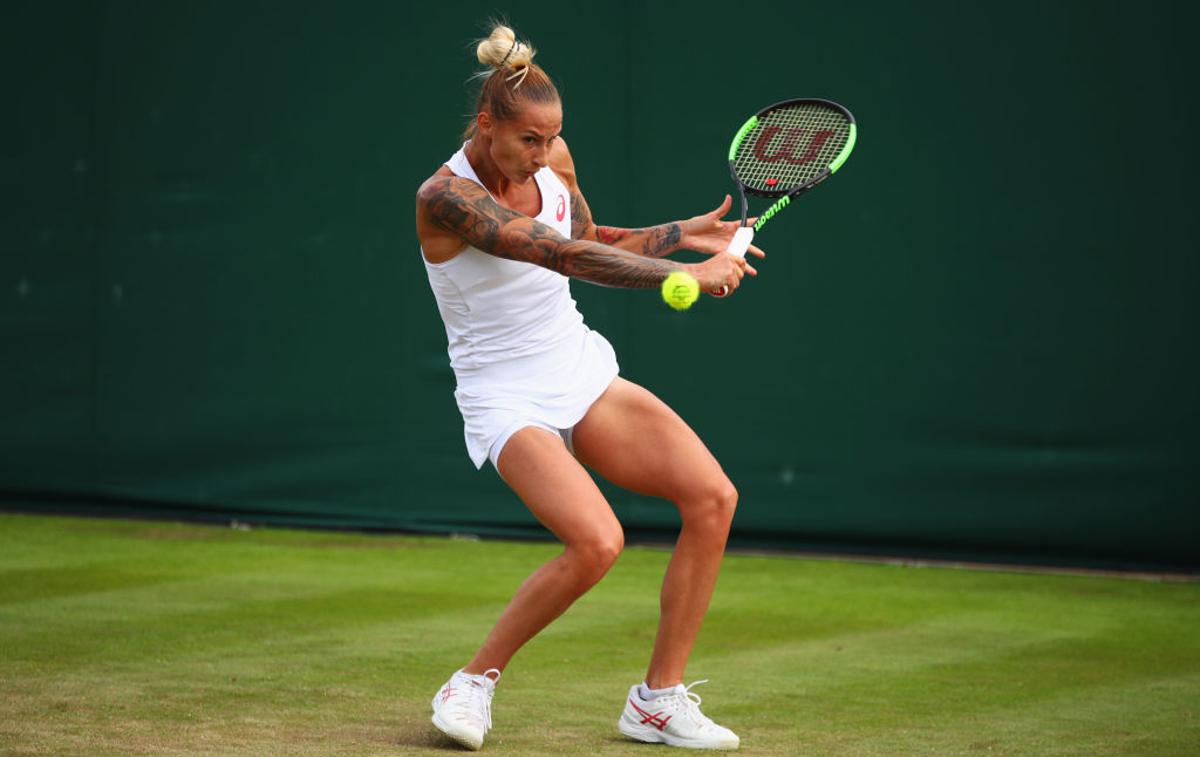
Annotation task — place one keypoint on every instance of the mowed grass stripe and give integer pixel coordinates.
(243, 626)
(121, 636)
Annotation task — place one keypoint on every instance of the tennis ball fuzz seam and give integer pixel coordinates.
(680, 289)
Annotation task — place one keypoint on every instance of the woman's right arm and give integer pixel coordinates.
(464, 209)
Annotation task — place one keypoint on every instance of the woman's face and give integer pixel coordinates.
(521, 146)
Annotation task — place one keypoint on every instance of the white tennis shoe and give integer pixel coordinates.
(673, 719)
(462, 708)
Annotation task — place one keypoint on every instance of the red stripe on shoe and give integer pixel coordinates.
(648, 718)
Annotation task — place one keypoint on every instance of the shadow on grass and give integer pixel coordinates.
(622, 741)
(429, 739)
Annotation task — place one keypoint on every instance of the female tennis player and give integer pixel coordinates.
(503, 225)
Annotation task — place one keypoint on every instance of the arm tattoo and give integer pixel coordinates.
(466, 210)
(653, 242)
(581, 216)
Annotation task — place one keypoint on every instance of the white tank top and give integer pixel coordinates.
(503, 314)
(520, 351)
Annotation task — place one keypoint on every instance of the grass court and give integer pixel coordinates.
(120, 637)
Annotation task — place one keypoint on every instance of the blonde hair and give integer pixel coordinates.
(511, 77)
(502, 50)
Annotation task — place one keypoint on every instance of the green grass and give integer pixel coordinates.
(156, 638)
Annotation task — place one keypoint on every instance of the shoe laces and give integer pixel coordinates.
(479, 695)
(689, 702)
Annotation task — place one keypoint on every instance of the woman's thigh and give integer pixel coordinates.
(556, 488)
(633, 439)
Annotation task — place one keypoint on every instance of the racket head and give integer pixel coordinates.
(791, 146)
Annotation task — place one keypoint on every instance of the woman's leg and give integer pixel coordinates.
(635, 441)
(563, 496)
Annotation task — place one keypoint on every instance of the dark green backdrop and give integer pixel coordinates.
(979, 339)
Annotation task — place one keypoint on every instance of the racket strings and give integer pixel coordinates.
(790, 147)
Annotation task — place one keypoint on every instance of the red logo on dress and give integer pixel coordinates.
(562, 207)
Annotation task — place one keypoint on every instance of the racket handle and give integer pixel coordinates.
(737, 246)
(741, 241)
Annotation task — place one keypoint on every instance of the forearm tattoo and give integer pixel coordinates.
(653, 242)
(466, 210)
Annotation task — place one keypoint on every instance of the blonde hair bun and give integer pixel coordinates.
(511, 79)
(503, 50)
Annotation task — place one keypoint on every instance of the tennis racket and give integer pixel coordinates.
(783, 151)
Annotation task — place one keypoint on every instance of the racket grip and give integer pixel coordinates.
(741, 241)
(737, 246)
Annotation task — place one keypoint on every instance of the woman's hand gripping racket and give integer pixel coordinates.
(783, 151)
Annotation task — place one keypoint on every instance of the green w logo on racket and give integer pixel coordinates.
(783, 151)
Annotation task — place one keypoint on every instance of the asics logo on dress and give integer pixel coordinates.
(651, 718)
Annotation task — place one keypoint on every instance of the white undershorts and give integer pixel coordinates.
(566, 434)
(552, 390)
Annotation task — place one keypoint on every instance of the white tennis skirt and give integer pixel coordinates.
(551, 389)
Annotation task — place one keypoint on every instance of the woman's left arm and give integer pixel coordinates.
(653, 241)
(705, 233)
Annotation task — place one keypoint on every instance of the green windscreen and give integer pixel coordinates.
(791, 146)
(213, 303)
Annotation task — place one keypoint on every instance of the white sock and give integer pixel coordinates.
(483, 675)
(647, 693)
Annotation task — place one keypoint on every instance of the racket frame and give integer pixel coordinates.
(743, 236)
(785, 196)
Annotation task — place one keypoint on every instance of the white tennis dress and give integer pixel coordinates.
(519, 348)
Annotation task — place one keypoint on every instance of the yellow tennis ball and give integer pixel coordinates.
(680, 290)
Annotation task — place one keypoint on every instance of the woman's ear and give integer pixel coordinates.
(484, 123)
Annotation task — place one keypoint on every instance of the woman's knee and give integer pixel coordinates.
(595, 554)
(712, 505)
